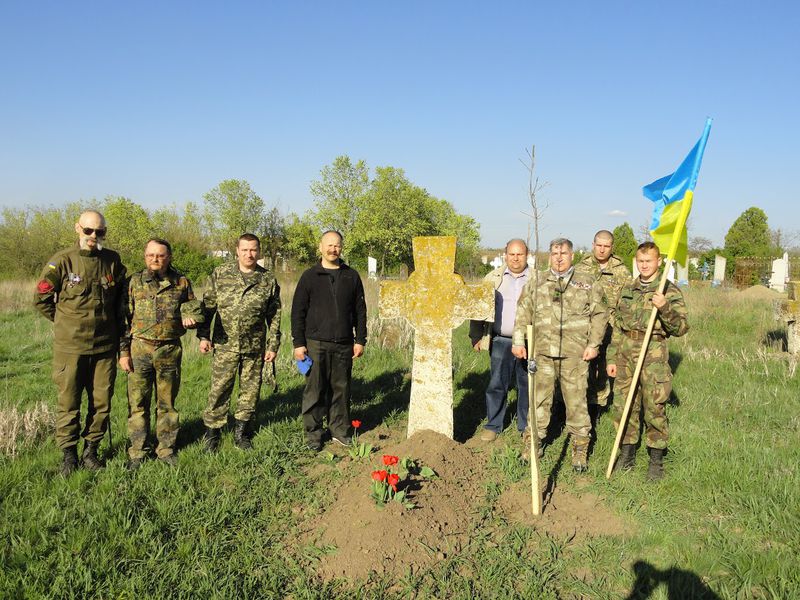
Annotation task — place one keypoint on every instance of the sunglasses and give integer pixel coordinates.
(90, 231)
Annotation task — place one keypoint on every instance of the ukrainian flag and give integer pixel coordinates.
(672, 201)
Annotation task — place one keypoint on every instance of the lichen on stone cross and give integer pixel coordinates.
(434, 301)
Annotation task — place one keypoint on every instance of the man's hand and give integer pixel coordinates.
(477, 346)
(206, 346)
(358, 350)
(659, 300)
(590, 353)
(611, 370)
(189, 323)
(519, 352)
(126, 364)
(270, 356)
(300, 352)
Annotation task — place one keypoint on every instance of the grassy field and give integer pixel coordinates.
(723, 523)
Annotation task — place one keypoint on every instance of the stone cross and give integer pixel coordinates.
(434, 301)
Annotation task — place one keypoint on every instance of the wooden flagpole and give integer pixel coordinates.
(536, 488)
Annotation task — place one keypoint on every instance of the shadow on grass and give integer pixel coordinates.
(378, 397)
(675, 360)
(552, 479)
(680, 584)
(471, 409)
(776, 340)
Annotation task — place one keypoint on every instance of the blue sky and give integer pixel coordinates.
(160, 101)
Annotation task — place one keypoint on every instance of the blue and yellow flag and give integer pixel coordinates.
(672, 201)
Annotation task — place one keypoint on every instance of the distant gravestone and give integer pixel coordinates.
(720, 262)
(780, 273)
(634, 268)
(683, 275)
(497, 261)
(372, 267)
(403, 272)
(671, 271)
(434, 301)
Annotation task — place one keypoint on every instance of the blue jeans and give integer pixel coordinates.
(504, 368)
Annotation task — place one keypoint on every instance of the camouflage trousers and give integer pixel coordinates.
(571, 374)
(223, 374)
(72, 374)
(600, 384)
(652, 393)
(155, 364)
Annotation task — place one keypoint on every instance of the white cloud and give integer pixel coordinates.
(617, 213)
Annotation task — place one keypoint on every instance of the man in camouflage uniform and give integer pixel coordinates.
(82, 291)
(635, 304)
(610, 272)
(569, 323)
(161, 306)
(245, 298)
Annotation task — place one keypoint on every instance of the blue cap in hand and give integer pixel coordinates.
(304, 366)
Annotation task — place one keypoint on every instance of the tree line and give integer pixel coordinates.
(748, 237)
(378, 214)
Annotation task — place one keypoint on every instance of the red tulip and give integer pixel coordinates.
(355, 423)
(390, 460)
(379, 475)
(393, 480)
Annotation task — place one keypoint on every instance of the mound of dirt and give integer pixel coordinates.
(760, 292)
(392, 540)
(564, 515)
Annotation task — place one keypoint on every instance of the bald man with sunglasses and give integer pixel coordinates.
(82, 290)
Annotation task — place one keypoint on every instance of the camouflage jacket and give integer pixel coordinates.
(83, 293)
(246, 311)
(633, 314)
(571, 314)
(612, 277)
(156, 307)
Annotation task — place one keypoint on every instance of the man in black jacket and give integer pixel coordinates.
(329, 325)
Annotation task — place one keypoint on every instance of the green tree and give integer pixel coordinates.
(625, 243)
(231, 209)
(749, 235)
(272, 232)
(446, 221)
(302, 239)
(129, 227)
(339, 195)
(395, 210)
(191, 249)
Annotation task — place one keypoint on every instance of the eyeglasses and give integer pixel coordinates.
(90, 231)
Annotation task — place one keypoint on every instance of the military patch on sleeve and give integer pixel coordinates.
(44, 287)
(51, 265)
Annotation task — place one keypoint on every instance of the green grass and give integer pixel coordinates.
(724, 521)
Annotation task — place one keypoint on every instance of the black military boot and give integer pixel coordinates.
(211, 439)
(90, 459)
(70, 462)
(627, 458)
(655, 471)
(241, 435)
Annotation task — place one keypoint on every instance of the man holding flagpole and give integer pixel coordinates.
(636, 301)
(635, 332)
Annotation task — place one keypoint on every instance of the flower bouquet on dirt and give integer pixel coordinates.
(386, 483)
(358, 450)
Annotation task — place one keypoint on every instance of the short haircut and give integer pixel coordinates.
(605, 233)
(161, 242)
(248, 237)
(327, 231)
(561, 242)
(647, 247)
(516, 241)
